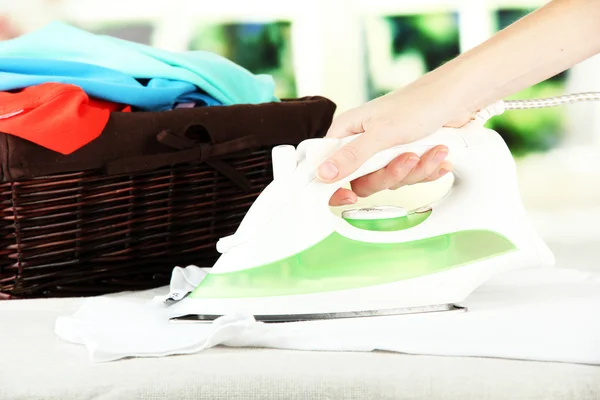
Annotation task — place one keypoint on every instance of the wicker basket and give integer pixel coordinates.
(107, 220)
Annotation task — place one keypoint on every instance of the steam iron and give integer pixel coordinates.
(292, 259)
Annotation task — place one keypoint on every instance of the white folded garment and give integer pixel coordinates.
(542, 314)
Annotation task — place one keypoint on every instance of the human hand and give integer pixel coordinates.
(385, 122)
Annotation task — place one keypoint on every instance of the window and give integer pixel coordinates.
(262, 48)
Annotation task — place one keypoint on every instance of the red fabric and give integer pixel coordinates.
(60, 117)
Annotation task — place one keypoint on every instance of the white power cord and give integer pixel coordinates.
(500, 106)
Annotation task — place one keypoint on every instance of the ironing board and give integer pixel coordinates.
(37, 365)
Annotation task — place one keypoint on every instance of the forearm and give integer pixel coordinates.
(537, 47)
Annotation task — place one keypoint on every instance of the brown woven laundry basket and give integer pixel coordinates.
(156, 190)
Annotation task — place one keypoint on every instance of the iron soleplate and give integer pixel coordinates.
(207, 318)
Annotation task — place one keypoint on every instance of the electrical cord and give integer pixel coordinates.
(500, 106)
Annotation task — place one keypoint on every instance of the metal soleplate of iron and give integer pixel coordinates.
(207, 318)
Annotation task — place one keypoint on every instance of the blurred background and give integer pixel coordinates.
(354, 50)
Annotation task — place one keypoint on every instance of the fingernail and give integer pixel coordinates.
(328, 171)
(443, 172)
(441, 155)
(347, 201)
(411, 161)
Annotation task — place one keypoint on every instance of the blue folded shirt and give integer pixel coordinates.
(102, 83)
(126, 72)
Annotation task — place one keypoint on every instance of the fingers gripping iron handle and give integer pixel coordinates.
(483, 169)
(464, 144)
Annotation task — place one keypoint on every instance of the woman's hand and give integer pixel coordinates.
(385, 122)
(406, 169)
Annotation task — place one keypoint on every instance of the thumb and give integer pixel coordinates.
(349, 158)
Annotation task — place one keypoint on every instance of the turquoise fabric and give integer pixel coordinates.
(155, 94)
(225, 81)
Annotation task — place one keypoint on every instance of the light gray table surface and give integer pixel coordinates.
(35, 364)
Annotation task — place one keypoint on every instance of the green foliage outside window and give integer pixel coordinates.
(260, 48)
(435, 36)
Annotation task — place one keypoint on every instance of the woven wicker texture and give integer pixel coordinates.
(87, 233)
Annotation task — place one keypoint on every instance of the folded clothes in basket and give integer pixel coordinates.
(209, 73)
(155, 94)
(108, 70)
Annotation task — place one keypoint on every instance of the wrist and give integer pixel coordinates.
(449, 97)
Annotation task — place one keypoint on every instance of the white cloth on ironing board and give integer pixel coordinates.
(542, 315)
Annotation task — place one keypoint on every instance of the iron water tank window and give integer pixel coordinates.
(262, 48)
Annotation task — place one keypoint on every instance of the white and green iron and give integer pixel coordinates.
(292, 259)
